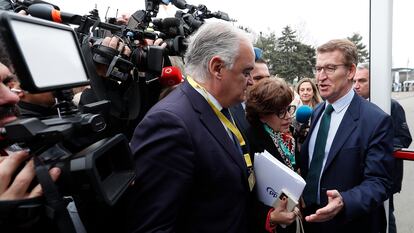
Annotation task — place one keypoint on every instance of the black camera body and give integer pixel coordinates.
(104, 167)
(96, 165)
(73, 141)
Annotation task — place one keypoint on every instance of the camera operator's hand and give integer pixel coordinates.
(123, 20)
(18, 188)
(159, 42)
(22, 12)
(115, 43)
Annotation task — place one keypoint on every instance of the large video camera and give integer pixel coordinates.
(175, 30)
(132, 77)
(47, 57)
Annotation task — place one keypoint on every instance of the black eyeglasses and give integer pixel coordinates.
(291, 109)
(329, 69)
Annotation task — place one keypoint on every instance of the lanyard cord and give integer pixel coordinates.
(225, 121)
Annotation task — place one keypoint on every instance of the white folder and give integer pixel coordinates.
(273, 178)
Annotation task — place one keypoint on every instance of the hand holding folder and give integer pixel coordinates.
(274, 178)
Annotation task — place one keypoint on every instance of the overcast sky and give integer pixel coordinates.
(316, 21)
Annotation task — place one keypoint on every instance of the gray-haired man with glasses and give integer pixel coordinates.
(347, 156)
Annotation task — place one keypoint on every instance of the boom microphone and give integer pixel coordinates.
(48, 12)
(170, 76)
(303, 113)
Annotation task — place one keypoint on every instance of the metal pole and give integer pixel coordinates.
(381, 54)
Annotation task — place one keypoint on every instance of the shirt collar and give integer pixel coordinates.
(210, 97)
(342, 102)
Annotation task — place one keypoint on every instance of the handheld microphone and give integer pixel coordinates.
(48, 12)
(303, 113)
(301, 126)
(170, 76)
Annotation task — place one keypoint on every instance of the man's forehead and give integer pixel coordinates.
(245, 57)
(362, 73)
(260, 67)
(330, 56)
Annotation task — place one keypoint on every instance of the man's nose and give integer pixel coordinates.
(321, 76)
(250, 80)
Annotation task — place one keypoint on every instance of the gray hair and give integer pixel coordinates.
(212, 39)
(362, 66)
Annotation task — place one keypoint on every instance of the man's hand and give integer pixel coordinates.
(115, 43)
(123, 20)
(334, 206)
(18, 188)
(158, 42)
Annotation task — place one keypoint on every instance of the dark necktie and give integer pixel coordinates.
(312, 179)
(226, 113)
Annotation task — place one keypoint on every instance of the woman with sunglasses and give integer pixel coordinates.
(269, 113)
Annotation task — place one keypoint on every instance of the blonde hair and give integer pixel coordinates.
(316, 98)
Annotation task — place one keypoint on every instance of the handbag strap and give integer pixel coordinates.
(299, 222)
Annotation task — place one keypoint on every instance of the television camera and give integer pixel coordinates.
(91, 162)
(55, 57)
(132, 90)
(130, 94)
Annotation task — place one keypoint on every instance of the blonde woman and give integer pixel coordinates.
(308, 92)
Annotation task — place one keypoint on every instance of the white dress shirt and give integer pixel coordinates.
(216, 104)
(340, 106)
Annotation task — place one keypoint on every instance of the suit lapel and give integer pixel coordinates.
(214, 125)
(346, 127)
(239, 116)
(317, 114)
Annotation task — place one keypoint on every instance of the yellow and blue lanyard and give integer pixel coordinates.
(226, 122)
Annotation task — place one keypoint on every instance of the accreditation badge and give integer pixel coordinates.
(251, 179)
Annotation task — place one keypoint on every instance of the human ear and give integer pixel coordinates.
(352, 71)
(215, 66)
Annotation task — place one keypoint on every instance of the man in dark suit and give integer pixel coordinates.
(402, 136)
(191, 174)
(347, 157)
